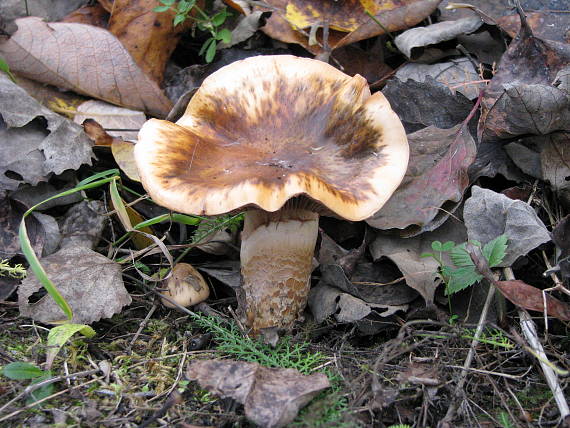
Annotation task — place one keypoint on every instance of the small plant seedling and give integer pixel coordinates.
(463, 273)
(211, 24)
(6, 69)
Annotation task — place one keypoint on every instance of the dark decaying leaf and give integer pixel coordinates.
(435, 33)
(520, 98)
(36, 142)
(532, 298)
(348, 20)
(91, 283)
(550, 25)
(227, 272)
(7, 286)
(83, 224)
(436, 175)
(419, 272)
(272, 397)
(488, 214)
(89, 14)
(10, 217)
(459, 75)
(427, 103)
(70, 55)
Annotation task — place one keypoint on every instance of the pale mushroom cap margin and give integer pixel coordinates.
(263, 130)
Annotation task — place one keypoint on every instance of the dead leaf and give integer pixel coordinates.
(70, 55)
(561, 237)
(369, 65)
(150, 37)
(458, 75)
(112, 117)
(246, 27)
(436, 33)
(341, 17)
(488, 214)
(272, 397)
(123, 152)
(520, 99)
(531, 298)
(551, 25)
(227, 272)
(95, 15)
(10, 217)
(97, 133)
(83, 224)
(420, 273)
(420, 374)
(436, 175)
(91, 283)
(36, 141)
(326, 301)
(48, 9)
(427, 103)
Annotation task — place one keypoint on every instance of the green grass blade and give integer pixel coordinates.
(103, 174)
(39, 271)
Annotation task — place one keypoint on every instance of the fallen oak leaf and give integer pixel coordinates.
(528, 297)
(69, 55)
(271, 397)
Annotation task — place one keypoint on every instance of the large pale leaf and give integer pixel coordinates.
(271, 396)
(36, 142)
(489, 214)
(85, 59)
(437, 173)
(112, 117)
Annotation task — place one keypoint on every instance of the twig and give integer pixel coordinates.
(143, 324)
(529, 330)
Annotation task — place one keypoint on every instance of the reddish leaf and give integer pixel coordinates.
(531, 298)
(437, 173)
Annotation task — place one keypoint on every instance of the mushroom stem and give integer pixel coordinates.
(276, 260)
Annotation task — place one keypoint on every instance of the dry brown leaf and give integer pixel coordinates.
(348, 20)
(149, 36)
(85, 59)
(90, 14)
(531, 298)
(272, 397)
(91, 284)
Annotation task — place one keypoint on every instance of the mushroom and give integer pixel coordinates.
(186, 286)
(285, 139)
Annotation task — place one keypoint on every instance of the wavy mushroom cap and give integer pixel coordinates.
(263, 130)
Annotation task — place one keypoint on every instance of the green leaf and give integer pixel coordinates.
(495, 250)
(219, 18)
(425, 255)
(20, 370)
(461, 278)
(224, 35)
(58, 336)
(6, 69)
(436, 246)
(178, 19)
(168, 2)
(448, 246)
(42, 392)
(460, 257)
(211, 52)
(161, 9)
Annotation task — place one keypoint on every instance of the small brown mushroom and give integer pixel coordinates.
(286, 139)
(186, 286)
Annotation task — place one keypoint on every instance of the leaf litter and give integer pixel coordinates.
(388, 351)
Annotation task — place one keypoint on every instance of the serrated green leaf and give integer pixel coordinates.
(461, 278)
(161, 8)
(460, 257)
(448, 246)
(58, 336)
(495, 250)
(20, 370)
(436, 245)
(211, 52)
(224, 35)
